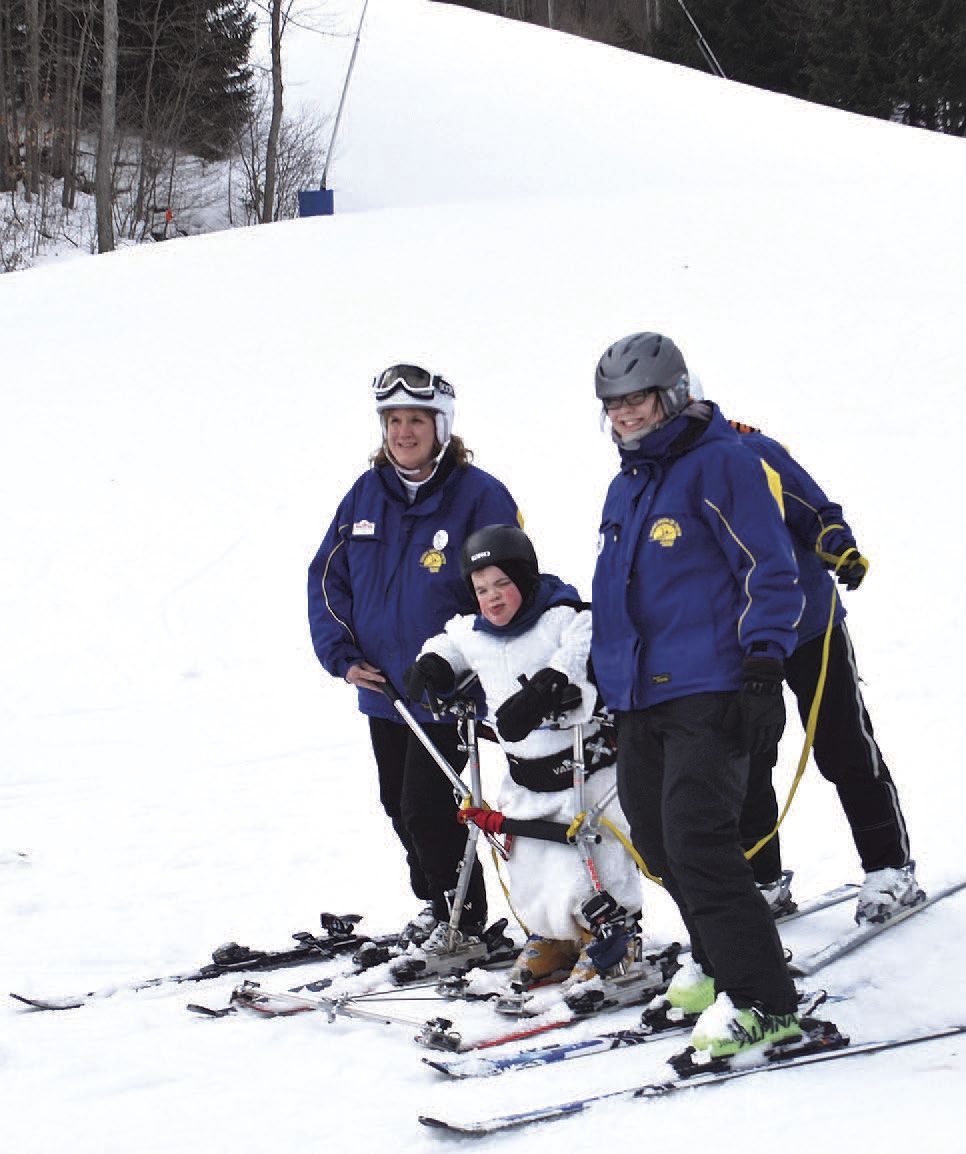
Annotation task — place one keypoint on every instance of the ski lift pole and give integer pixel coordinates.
(703, 45)
(345, 89)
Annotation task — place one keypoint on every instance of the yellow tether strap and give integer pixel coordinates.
(628, 845)
(506, 893)
(809, 727)
(625, 842)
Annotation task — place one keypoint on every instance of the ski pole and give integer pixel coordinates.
(459, 786)
(468, 712)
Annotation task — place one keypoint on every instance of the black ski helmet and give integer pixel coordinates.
(640, 362)
(505, 546)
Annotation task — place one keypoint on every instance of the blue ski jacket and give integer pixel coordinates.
(694, 565)
(814, 522)
(387, 573)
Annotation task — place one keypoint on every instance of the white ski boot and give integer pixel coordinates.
(418, 929)
(886, 892)
(778, 895)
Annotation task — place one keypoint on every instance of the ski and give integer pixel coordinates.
(654, 1027)
(476, 1066)
(822, 901)
(339, 936)
(494, 950)
(599, 995)
(836, 1047)
(809, 964)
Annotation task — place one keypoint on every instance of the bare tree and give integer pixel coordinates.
(279, 11)
(7, 180)
(104, 179)
(299, 159)
(74, 110)
(32, 98)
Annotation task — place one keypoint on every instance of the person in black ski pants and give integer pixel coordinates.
(696, 603)
(386, 577)
(845, 749)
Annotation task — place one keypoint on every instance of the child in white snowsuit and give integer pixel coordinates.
(534, 629)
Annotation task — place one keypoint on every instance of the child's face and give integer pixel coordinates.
(499, 598)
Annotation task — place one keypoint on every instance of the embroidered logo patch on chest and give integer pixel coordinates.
(363, 528)
(665, 532)
(433, 560)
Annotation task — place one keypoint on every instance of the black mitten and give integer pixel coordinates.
(428, 673)
(539, 698)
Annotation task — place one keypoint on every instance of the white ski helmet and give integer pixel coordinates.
(411, 387)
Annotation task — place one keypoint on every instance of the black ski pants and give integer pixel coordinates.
(846, 754)
(681, 785)
(419, 799)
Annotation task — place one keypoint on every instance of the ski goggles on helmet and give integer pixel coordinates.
(410, 379)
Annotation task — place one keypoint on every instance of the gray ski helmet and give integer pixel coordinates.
(640, 362)
(505, 546)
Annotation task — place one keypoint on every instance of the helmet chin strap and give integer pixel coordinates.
(412, 472)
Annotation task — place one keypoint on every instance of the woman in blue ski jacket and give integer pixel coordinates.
(845, 748)
(385, 578)
(696, 604)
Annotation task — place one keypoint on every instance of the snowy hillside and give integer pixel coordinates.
(177, 424)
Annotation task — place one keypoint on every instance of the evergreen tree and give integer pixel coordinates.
(184, 70)
(930, 87)
(851, 49)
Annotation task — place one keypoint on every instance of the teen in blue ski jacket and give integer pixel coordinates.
(696, 605)
(694, 567)
(386, 577)
(845, 748)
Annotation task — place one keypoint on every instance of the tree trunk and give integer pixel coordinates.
(104, 178)
(75, 109)
(140, 215)
(6, 153)
(271, 149)
(32, 99)
(61, 68)
(12, 111)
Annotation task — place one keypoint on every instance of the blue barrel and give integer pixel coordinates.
(316, 202)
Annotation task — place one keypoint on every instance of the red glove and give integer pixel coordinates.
(489, 820)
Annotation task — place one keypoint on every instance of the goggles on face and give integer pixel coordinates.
(411, 379)
(611, 404)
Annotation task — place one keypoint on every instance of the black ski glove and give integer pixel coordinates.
(851, 569)
(541, 697)
(848, 567)
(760, 704)
(428, 673)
